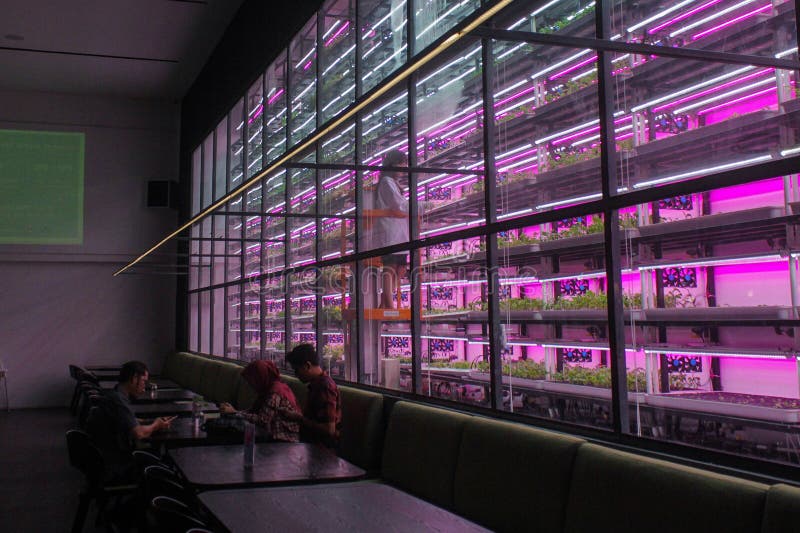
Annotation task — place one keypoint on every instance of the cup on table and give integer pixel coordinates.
(153, 390)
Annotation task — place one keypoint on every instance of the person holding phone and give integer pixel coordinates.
(133, 378)
(274, 402)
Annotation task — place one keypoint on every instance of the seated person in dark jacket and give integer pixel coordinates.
(322, 414)
(114, 427)
(274, 399)
(133, 378)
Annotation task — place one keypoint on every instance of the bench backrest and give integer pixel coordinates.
(421, 449)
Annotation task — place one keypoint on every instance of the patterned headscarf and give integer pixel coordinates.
(265, 378)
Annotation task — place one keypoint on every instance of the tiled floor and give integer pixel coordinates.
(38, 487)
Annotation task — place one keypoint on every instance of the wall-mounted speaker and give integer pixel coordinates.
(162, 193)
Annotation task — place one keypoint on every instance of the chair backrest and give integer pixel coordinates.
(172, 515)
(159, 481)
(85, 456)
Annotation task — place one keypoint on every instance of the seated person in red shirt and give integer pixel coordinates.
(274, 398)
(322, 415)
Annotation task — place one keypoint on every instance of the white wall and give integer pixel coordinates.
(60, 304)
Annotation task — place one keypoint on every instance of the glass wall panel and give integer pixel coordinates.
(303, 82)
(547, 146)
(716, 116)
(273, 318)
(218, 328)
(709, 282)
(252, 321)
(233, 297)
(236, 155)
(742, 27)
(252, 233)
(194, 318)
(384, 37)
(205, 253)
(338, 59)
(303, 311)
(194, 258)
(303, 208)
(719, 286)
(338, 311)
(208, 170)
(553, 312)
(455, 333)
(221, 159)
(384, 127)
(255, 127)
(385, 351)
(205, 322)
(273, 241)
(573, 18)
(432, 19)
(235, 245)
(197, 173)
(275, 109)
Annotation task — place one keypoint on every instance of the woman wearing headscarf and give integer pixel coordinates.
(274, 398)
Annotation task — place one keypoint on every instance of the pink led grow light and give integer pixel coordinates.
(683, 16)
(731, 22)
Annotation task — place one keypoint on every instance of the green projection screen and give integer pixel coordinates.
(41, 187)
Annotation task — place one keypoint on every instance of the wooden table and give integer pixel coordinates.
(164, 396)
(345, 507)
(182, 432)
(152, 410)
(276, 463)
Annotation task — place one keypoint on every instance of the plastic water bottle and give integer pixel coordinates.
(249, 444)
(197, 411)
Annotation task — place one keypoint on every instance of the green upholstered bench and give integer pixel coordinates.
(420, 451)
(782, 512)
(361, 439)
(617, 491)
(524, 472)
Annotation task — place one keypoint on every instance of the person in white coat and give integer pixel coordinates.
(392, 227)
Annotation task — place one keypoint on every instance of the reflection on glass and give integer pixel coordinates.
(255, 127)
(337, 235)
(433, 19)
(303, 82)
(233, 297)
(194, 317)
(746, 27)
(219, 245)
(221, 159)
(251, 333)
(218, 323)
(384, 127)
(197, 173)
(338, 87)
(455, 335)
(205, 322)
(386, 329)
(336, 342)
(272, 308)
(275, 109)
(383, 39)
(208, 169)
(303, 311)
(236, 153)
(712, 325)
(547, 150)
(303, 225)
(204, 261)
(720, 118)
(235, 245)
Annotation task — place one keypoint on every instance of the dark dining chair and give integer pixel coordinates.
(85, 456)
(167, 515)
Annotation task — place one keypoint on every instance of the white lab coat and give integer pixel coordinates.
(390, 230)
